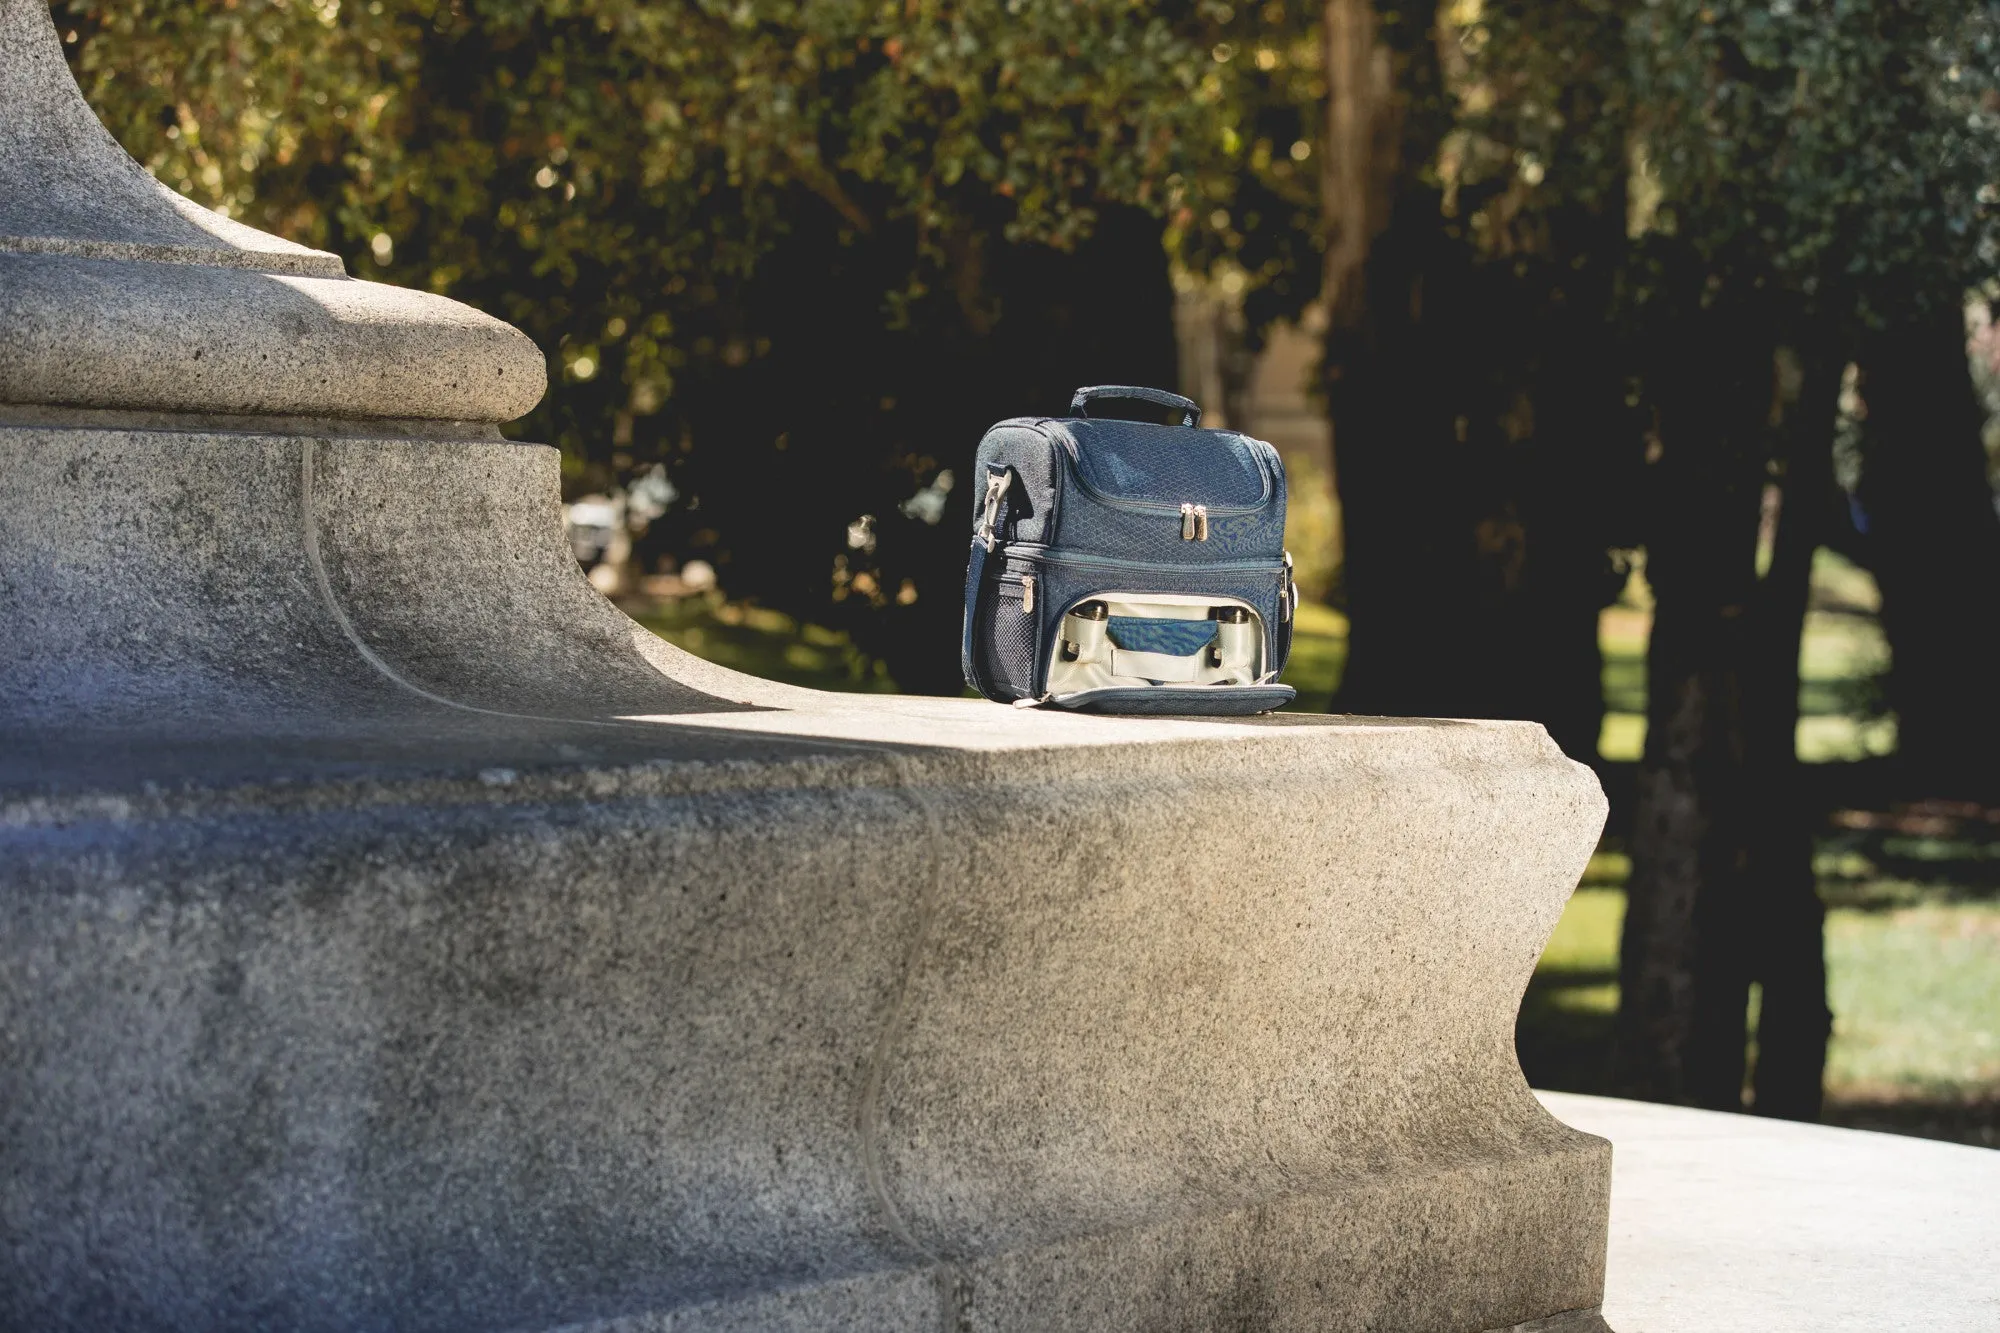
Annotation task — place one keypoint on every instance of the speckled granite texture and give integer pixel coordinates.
(396, 935)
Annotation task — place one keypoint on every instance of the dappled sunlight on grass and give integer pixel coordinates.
(1565, 1028)
(1623, 738)
(1842, 658)
(1913, 978)
(1319, 653)
(1916, 998)
(762, 642)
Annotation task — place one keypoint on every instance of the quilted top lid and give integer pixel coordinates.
(1169, 465)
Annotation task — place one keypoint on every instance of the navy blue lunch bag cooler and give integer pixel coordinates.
(1125, 567)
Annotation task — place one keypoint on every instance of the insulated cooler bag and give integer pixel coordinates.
(1124, 567)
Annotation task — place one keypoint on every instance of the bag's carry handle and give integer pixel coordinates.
(1189, 409)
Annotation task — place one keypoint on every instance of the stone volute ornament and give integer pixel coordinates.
(393, 934)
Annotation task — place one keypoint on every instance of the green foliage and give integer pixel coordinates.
(1849, 149)
(792, 251)
(465, 147)
(1249, 215)
(1841, 153)
(757, 238)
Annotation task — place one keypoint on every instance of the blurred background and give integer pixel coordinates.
(1632, 362)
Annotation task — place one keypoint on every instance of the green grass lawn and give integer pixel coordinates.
(1319, 651)
(1913, 923)
(762, 642)
(1914, 987)
(1841, 660)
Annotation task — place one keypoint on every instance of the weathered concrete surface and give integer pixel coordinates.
(223, 318)
(366, 963)
(1736, 1224)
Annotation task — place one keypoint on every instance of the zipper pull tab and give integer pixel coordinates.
(1027, 593)
(1187, 522)
(1201, 523)
(1288, 591)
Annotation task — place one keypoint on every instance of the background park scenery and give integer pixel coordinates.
(1632, 361)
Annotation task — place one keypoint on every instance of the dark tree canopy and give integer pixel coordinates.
(799, 254)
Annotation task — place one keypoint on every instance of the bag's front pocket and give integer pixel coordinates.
(1121, 639)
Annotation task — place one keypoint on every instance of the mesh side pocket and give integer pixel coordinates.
(1007, 641)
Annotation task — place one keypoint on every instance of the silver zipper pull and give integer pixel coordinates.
(1187, 522)
(1201, 523)
(1027, 593)
(1287, 590)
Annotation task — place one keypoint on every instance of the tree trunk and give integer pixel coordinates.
(1933, 541)
(1572, 473)
(1684, 966)
(1407, 506)
(1405, 353)
(1469, 413)
(1784, 920)
(1383, 243)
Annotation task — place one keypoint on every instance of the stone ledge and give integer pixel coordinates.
(379, 944)
(586, 1048)
(199, 338)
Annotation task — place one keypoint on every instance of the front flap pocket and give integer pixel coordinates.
(1138, 639)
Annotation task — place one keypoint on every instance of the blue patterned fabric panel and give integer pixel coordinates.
(1175, 638)
(1168, 463)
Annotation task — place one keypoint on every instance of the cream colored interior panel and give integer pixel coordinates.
(1087, 659)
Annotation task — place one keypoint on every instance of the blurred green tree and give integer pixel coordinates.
(1475, 377)
(1824, 176)
(1595, 269)
(796, 254)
